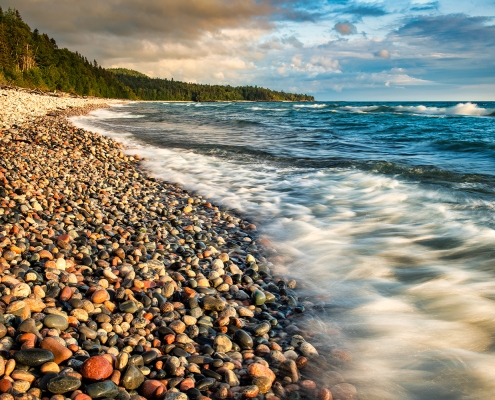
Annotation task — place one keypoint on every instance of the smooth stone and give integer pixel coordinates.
(56, 321)
(63, 384)
(231, 378)
(199, 360)
(60, 352)
(149, 356)
(213, 304)
(308, 350)
(102, 389)
(89, 333)
(176, 396)
(96, 368)
(133, 378)
(33, 357)
(261, 329)
(222, 344)
(258, 297)
(129, 306)
(205, 384)
(243, 339)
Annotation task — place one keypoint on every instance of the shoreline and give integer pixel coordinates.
(115, 244)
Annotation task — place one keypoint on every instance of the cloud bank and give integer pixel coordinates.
(333, 49)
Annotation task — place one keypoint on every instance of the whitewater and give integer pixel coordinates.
(383, 211)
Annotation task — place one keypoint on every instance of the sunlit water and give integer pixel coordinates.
(384, 211)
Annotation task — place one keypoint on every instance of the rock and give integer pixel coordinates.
(100, 296)
(153, 389)
(307, 350)
(133, 378)
(263, 383)
(63, 384)
(176, 396)
(258, 297)
(261, 329)
(21, 290)
(102, 389)
(177, 326)
(243, 339)
(56, 321)
(60, 352)
(96, 368)
(33, 357)
(222, 344)
(250, 392)
(257, 370)
(205, 384)
(129, 306)
(213, 304)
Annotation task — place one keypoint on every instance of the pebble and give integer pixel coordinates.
(56, 321)
(133, 378)
(96, 368)
(33, 357)
(102, 389)
(63, 384)
(60, 352)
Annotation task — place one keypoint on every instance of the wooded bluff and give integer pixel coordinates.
(33, 60)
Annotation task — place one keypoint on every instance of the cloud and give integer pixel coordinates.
(279, 43)
(293, 41)
(454, 31)
(434, 5)
(382, 54)
(345, 28)
(184, 19)
(317, 64)
(364, 10)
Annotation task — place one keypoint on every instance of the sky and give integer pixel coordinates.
(336, 50)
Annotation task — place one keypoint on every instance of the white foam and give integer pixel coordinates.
(420, 315)
(266, 109)
(310, 105)
(468, 108)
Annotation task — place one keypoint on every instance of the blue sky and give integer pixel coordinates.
(335, 50)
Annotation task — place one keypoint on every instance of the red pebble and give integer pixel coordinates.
(96, 368)
(186, 384)
(82, 396)
(152, 389)
(5, 386)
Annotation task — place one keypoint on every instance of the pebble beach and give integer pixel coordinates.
(115, 284)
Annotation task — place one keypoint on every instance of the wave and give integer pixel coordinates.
(266, 109)
(310, 106)
(471, 109)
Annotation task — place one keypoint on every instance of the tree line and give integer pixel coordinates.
(31, 59)
(168, 89)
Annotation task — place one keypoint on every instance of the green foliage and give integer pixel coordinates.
(164, 89)
(129, 72)
(31, 59)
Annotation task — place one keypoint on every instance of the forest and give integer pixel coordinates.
(168, 89)
(31, 59)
